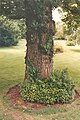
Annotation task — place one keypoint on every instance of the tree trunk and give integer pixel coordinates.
(39, 53)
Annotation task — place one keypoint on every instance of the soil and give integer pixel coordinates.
(15, 98)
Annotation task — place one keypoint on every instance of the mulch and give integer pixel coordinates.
(14, 97)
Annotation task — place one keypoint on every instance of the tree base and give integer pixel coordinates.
(16, 100)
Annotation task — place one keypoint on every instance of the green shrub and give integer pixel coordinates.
(71, 40)
(70, 43)
(77, 35)
(58, 48)
(58, 88)
(7, 38)
(11, 31)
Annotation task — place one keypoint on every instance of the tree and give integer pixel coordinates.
(38, 14)
(72, 17)
(13, 9)
(39, 24)
(41, 86)
(39, 38)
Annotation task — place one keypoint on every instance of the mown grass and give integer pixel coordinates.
(70, 59)
(4, 116)
(12, 69)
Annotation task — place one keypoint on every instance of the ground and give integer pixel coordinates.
(12, 72)
(14, 97)
(66, 112)
(13, 114)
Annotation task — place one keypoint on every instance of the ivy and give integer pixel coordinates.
(47, 48)
(38, 18)
(33, 72)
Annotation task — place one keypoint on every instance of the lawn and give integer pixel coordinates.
(4, 116)
(70, 59)
(11, 66)
(12, 69)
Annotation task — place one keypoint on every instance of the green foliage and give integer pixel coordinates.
(21, 26)
(16, 8)
(77, 36)
(12, 8)
(70, 43)
(47, 48)
(72, 17)
(6, 38)
(58, 88)
(10, 31)
(71, 40)
(32, 71)
(74, 38)
(39, 21)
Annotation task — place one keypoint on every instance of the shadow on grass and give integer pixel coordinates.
(75, 50)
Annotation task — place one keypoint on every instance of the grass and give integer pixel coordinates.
(4, 116)
(12, 72)
(11, 67)
(70, 59)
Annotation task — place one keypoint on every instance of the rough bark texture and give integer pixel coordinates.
(36, 41)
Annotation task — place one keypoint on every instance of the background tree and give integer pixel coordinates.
(72, 16)
(11, 31)
(14, 9)
(11, 19)
(72, 21)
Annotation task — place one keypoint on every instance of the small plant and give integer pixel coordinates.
(70, 43)
(71, 40)
(58, 88)
(58, 49)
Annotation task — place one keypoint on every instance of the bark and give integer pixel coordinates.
(42, 61)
